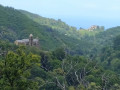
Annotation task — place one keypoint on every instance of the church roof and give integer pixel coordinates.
(26, 40)
(20, 41)
(35, 40)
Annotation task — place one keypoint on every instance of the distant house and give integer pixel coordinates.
(96, 27)
(29, 42)
(93, 27)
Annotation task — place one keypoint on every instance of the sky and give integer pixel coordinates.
(78, 13)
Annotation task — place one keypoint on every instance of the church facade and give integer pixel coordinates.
(29, 42)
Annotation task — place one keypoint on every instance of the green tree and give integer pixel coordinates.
(15, 70)
(93, 86)
(117, 43)
(59, 53)
(71, 88)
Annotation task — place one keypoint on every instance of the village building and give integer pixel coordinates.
(93, 27)
(29, 42)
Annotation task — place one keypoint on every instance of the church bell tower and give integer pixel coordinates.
(31, 40)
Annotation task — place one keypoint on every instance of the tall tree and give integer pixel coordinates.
(15, 70)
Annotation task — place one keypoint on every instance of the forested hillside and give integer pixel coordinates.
(57, 25)
(15, 25)
(104, 38)
(68, 59)
(96, 39)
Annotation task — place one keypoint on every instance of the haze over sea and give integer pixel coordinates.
(80, 13)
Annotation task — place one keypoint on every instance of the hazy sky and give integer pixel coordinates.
(79, 13)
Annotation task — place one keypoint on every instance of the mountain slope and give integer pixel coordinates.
(106, 38)
(57, 25)
(15, 25)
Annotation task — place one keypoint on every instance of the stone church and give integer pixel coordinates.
(29, 42)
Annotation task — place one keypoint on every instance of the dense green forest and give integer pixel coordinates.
(68, 59)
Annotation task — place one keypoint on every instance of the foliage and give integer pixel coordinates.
(15, 69)
(66, 60)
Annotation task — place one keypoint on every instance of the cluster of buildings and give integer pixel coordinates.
(93, 28)
(96, 27)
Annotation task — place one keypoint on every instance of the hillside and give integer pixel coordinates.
(104, 38)
(86, 35)
(15, 25)
(56, 25)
